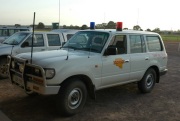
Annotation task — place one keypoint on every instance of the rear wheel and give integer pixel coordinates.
(3, 68)
(148, 81)
(72, 97)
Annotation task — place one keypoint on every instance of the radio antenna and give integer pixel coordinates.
(32, 37)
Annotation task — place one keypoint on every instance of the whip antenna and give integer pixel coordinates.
(32, 37)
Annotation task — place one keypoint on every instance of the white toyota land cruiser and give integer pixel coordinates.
(91, 60)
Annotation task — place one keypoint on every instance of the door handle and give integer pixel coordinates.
(147, 58)
(42, 49)
(126, 61)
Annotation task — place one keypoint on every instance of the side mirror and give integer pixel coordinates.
(25, 44)
(111, 51)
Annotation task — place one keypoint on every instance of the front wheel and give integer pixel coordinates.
(72, 97)
(148, 81)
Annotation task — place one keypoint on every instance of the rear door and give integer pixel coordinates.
(139, 57)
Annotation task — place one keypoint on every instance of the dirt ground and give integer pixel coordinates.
(121, 103)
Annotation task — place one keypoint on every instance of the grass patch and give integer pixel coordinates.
(173, 38)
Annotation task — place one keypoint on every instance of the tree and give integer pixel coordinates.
(64, 26)
(84, 27)
(156, 30)
(101, 26)
(111, 25)
(148, 30)
(125, 29)
(40, 25)
(17, 25)
(137, 27)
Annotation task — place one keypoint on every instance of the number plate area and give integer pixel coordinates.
(17, 80)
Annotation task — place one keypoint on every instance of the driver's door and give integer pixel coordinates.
(116, 68)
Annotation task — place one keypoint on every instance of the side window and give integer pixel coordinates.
(69, 36)
(53, 40)
(4, 32)
(154, 43)
(38, 41)
(137, 44)
(120, 42)
(11, 32)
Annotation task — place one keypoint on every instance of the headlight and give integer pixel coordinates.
(13, 64)
(50, 73)
(21, 68)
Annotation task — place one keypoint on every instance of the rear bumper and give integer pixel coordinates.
(163, 72)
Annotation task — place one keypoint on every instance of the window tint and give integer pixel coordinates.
(120, 42)
(154, 43)
(69, 36)
(38, 40)
(137, 44)
(53, 40)
(91, 41)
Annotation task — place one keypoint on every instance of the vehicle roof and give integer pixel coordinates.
(65, 30)
(114, 31)
(10, 27)
(39, 32)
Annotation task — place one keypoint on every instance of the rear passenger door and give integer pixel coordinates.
(139, 57)
(54, 41)
(38, 44)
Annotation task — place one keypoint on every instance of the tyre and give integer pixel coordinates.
(71, 97)
(31, 93)
(148, 81)
(3, 68)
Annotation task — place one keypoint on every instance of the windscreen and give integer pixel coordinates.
(16, 38)
(88, 40)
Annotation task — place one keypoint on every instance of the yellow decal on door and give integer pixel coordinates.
(119, 62)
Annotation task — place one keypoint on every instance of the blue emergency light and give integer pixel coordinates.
(92, 25)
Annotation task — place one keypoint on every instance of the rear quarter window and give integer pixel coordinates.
(154, 43)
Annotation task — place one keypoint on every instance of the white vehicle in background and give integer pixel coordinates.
(67, 33)
(21, 42)
(91, 60)
(5, 32)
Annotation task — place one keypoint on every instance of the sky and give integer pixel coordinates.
(163, 14)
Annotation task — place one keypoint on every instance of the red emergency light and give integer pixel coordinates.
(119, 26)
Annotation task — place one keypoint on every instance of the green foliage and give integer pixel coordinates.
(40, 25)
(137, 27)
(83, 27)
(170, 37)
(111, 25)
(156, 30)
(148, 30)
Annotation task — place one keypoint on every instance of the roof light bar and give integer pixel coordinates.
(119, 26)
(92, 25)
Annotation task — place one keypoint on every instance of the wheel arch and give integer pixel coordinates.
(157, 72)
(87, 81)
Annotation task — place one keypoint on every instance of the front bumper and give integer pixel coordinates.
(163, 72)
(28, 79)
